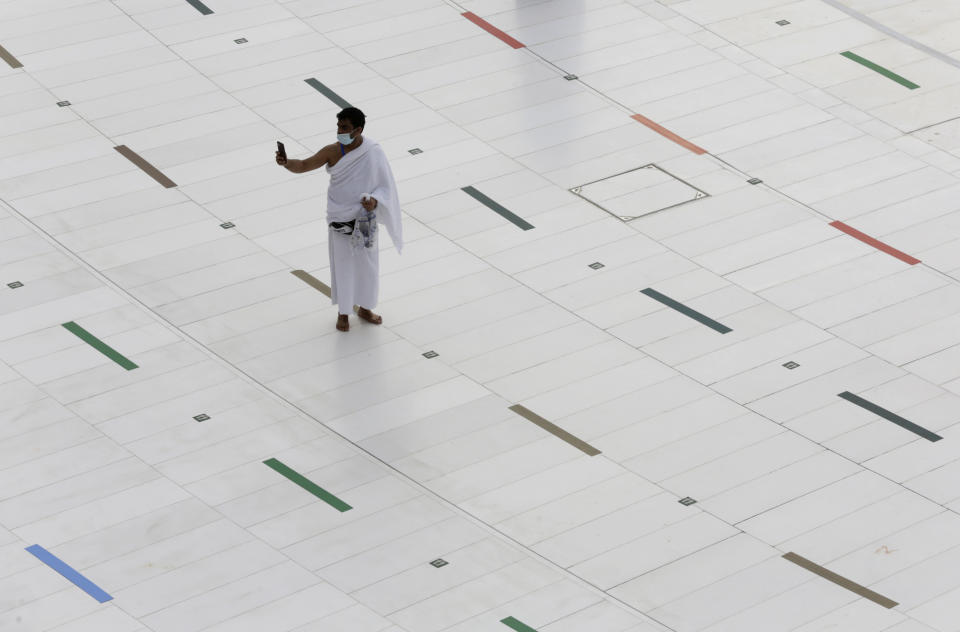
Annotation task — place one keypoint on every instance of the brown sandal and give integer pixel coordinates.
(369, 316)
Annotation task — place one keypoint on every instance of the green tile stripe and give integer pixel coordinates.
(327, 92)
(519, 626)
(99, 345)
(483, 199)
(308, 485)
(880, 69)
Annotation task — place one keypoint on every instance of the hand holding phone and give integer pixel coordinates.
(281, 154)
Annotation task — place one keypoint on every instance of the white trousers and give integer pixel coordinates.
(354, 277)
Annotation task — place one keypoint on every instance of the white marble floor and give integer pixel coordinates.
(703, 376)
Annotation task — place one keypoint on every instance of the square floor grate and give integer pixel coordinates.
(596, 265)
(791, 365)
(63, 103)
(687, 501)
(783, 22)
(638, 192)
(416, 150)
(438, 563)
(227, 225)
(14, 285)
(242, 40)
(430, 354)
(202, 417)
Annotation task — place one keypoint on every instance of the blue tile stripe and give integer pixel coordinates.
(67, 571)
(686, 311)
(497, 208)
(889, 416)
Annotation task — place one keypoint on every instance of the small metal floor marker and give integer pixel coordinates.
(242, 40)
(596, 265)
(791, 365)
(754, 181)
(227, 225)
(570, 77)
(202, 417)
(438, 563)
(14, 285)
(687, 501)
(416, 150)
(430, 354)
(783, 22)
(63, 103)
(641, 191)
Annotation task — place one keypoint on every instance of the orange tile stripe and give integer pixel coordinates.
(663, 131)
(876, 243)
(489, 28)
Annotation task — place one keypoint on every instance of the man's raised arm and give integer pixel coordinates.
(315, 161)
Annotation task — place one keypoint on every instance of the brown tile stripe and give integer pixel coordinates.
(839, 581)
(149, 169)
(10, 59)
(555, 430)
(312, 281)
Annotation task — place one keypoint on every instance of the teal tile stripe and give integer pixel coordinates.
(890, 416)
(880, 69)
(519, 626)
(308, 485)
(683, 309)
(199, 6)
(483, 199)
(99, 345)
(327, 92)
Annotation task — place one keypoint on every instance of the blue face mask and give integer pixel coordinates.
(344, 139)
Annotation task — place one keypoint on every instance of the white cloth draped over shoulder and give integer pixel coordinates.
(355, 273)
(365, 170)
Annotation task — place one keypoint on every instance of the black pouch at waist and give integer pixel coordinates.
(344, 227)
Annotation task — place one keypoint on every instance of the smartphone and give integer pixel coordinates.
(282, 150)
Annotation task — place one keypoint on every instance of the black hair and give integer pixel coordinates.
(355, 116)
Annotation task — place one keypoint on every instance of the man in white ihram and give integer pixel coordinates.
(362, 193)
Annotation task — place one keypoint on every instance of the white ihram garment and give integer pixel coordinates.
(355, 276)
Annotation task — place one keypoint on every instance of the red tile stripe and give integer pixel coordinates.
(663, 131)
(879, 245)
(486, 26)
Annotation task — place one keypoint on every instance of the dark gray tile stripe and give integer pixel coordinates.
(312, 281)
(327, 92)
(201, 7)
(483, 199)
(555, 430)
(839, 580)
(683, 309)
(10, 59)
(147, 168)
(889, 416)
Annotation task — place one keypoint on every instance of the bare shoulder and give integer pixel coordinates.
(319, 159)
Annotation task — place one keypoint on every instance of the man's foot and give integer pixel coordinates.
(369, 316)
(343, 323)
